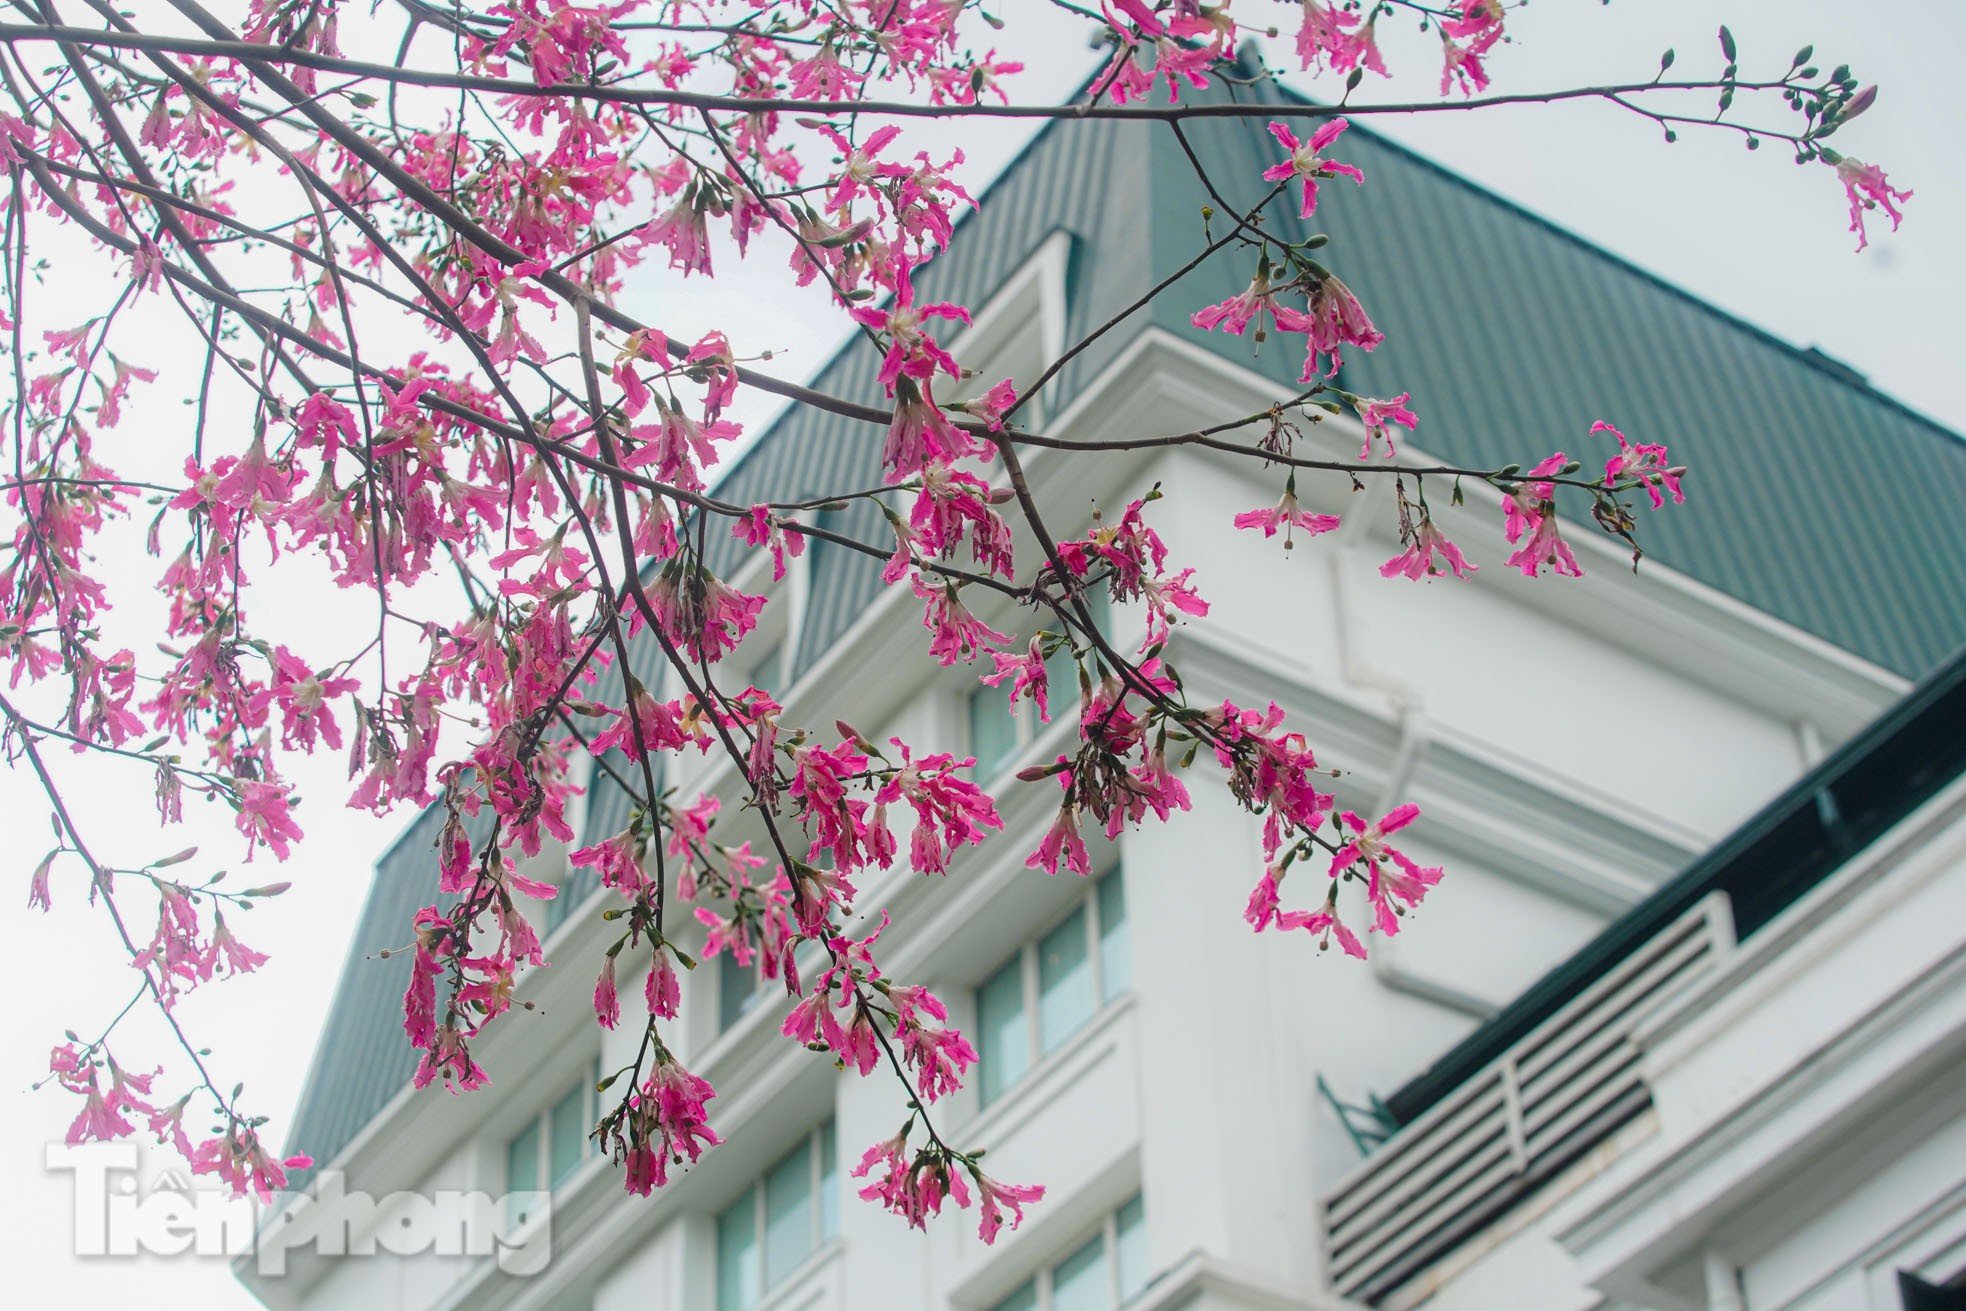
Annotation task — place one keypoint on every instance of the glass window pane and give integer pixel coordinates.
(553, 913)
(1061, 684)
(789, 1219)
(1130, 1227)
(738, 1284)
(737, 989)
(992, 729)
(1024, 1299)
(1065, 999)
(522, 1168)
(1082, 1282)
(1003, 1033)
(1115, 960)
(829, 1183)
(522, 1159)
(566, 1136)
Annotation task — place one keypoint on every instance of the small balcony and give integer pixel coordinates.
(1561, 1089)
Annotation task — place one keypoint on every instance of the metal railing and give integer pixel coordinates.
(1564, 1087)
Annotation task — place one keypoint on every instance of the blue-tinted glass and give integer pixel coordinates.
(1024, 1299)
(1004, 1035)
(1061, 684)
(738, 1284)
(1082, 1281)
(1130, 1231)
(522, 1168)
(566, 1135)
(1065, 999)
(737, 989)
(829, 1183)
(992, 729)
(1115, 960)
(554, 913)
(791, 1228)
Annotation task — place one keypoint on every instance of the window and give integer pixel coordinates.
(1106, 1271)
(998, 730)
(551, 1145)
(739, 988)
(778, 1222)
(1051, 987)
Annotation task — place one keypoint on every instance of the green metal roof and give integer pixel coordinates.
(1512, 335)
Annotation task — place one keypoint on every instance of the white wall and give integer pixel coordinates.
(1562, 777)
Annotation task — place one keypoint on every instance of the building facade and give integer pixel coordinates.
(1229, 1121)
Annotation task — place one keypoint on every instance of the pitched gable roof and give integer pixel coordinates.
(1511, 334)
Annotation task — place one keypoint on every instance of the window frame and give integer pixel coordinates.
(1043, 1281)
(1025, 958)
(540, 1121)
(1026, 726)
(825, 1221)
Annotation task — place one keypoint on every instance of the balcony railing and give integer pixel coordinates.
(1545, 1101)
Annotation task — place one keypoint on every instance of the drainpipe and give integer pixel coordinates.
(1409, 709)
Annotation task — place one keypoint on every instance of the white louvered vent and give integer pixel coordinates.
(1561, 1089)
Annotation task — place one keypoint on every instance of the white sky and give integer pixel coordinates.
(1754, 234)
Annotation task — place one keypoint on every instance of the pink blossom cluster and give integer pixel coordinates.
(546, 448)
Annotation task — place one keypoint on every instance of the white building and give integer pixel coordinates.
(1677, 1120)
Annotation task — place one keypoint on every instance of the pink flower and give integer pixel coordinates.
(1062, 842)
(617, 861)
(921, 433)
(1529, 517)
(1264, 905)
(1141, 12)
(685, 233)
(672, 1105)
(911, 352)
(992, 404)
(1405, 882)
(1305, 163)
(1646, 462)
(1865, 187)
(1417, 560)
(1027, 674)
(1377, 415)
(1326, 922)
(1327, 34)
(996, 1197)
(237, 1157)
(950, 811)
(662, 990)
(226, 954)
(607, 1002)
(1335, 320)
(1289, 516)
(759, 528)
(937, 1054)
(953, 504)
(1480, 26)
(1533, 522)
(700, 614)
(956, 634)
(1252, 303)
(679, 447)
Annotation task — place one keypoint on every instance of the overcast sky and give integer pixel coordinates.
(1752, 233)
